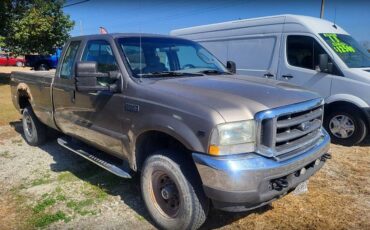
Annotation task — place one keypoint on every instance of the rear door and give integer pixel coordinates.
(300, 64)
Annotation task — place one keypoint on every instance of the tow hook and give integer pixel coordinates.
(325, 157)
(279, 184)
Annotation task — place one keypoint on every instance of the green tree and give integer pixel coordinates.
(33, 26)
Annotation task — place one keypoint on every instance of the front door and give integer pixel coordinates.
(300, 64)
(94, 117)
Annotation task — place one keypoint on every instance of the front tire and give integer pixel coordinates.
(172, 192)
(346, 127)
(34, 131)
(19, 64)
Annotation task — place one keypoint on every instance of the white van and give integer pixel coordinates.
(310, 52)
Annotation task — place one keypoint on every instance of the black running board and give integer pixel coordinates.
(95, 157)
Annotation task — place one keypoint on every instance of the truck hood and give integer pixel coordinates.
(235, 97)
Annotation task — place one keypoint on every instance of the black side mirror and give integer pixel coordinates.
(87, 77)
(231, 66)
(324, 64)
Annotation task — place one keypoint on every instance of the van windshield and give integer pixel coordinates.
(348, 49)
(161, 57)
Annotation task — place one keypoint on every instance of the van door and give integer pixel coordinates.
(299, 64)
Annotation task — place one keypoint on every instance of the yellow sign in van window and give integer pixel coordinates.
(338, 45)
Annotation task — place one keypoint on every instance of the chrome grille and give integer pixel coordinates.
(287, 131)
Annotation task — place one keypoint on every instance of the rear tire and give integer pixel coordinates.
(172, 192)
(42, 67)
(19, 64)
(346, 127)
(34, 131)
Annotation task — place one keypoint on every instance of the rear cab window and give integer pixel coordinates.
(66, 71)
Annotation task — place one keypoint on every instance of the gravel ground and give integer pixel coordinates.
(50, 187)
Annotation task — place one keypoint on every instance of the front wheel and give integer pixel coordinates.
(173, 197)
(346, 127)
(19, 64)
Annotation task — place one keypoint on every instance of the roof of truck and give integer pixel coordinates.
(119, 35)
(315, 25)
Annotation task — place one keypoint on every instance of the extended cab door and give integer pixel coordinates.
(93, 117)
(300, 61)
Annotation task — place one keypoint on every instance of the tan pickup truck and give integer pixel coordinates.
(165, 108)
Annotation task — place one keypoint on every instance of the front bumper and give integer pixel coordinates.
(243, 182)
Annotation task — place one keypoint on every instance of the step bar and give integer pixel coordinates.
(88, 153)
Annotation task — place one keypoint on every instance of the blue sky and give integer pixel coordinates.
(160, 16)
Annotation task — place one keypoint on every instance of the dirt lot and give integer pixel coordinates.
(49, 187)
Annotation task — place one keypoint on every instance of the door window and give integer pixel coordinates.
(304, 52)
(69, 59)
(101, 52)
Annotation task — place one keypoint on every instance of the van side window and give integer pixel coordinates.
(304, 52)
(68, 61)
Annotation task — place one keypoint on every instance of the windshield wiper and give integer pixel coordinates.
(168, 74)
(214, 71)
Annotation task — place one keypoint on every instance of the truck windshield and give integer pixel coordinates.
(161, 57)
(348, 49)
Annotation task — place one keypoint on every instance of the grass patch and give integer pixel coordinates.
(47, 202)
(40, 181)
(7, 112)
(66, 177)
(46, 219)
(94, 192)
(7, 155)
(80, 206)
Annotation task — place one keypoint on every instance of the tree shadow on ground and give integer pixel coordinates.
(127, 189)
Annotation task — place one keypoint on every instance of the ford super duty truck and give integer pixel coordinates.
(165, 108)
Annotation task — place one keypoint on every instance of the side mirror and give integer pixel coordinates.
(231, 66)
(324, 65)
(87, 77)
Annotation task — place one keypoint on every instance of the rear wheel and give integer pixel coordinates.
(34, 130)
(172, 195)
(346, 127)
(42, 67)
(19, 63)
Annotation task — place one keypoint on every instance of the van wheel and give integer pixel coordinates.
(346, 127)
(34, 131)
(19, 64)
(172, 192)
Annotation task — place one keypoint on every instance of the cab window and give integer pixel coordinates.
(69, 59)
(304, 52)
(101, 52)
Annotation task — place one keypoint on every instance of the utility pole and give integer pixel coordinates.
(322, 8)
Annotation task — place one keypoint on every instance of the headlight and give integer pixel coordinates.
(232, 138)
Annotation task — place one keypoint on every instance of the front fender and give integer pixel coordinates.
(347, 98)
(173, 126)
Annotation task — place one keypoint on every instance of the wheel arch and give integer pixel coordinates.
(24, 96)
(150, 141)
(336, 105)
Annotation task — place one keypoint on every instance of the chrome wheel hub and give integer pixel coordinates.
(342, 126)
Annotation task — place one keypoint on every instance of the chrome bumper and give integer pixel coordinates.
(243, 182)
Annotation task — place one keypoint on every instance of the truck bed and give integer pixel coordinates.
(36, 87)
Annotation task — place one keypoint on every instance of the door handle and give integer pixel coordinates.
(287, 77)
(268, 75)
